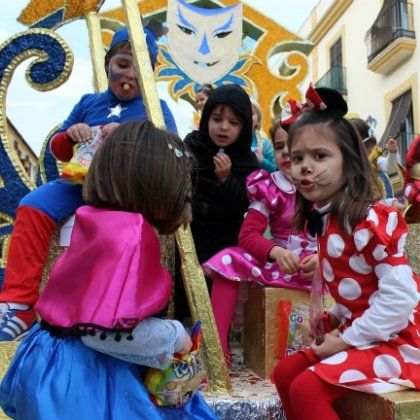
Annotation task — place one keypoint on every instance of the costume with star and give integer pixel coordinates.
(272, 199)
(41, 209)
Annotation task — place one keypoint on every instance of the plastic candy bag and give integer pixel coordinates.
(83, 153)
(174, 386)
(293, 327)
(316, 309)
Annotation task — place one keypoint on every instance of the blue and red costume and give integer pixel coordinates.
(40, 210)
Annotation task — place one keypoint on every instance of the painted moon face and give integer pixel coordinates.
(204, 43)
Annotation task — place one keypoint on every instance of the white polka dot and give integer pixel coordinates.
(349, 289)
(351, 375)
(275, 275)
(335, 246)
(392, 223)
(359, 264)
(372, 217)
(258, 175)
(252, 189)
(268, 265)
(274, 201)
(401, 243)
(381, 270)
(327, 270)
(386, 366)
(343, 310)
(362, 238)
(288, 277)
(226, 259)
(337, 359)
(236, 279)
(379, 252)
(256, 271)
(410, 354)
(407, 190)
(267, 182)
(247, 256)
(403, 382)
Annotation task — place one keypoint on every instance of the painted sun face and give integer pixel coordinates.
(204, 43)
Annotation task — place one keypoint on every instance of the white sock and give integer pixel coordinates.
(21, 306)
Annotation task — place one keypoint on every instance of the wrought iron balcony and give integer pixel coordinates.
(394, 21)
(335, 78)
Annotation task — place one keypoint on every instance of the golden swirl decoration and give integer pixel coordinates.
(7, 77)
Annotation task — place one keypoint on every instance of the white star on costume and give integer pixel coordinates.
(116, 111)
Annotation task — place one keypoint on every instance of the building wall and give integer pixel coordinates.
(369, 93)
(25, 153)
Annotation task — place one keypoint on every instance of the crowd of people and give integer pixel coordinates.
(271, 212)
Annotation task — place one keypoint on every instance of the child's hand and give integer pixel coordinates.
(106, 130)
(308, 266)
(391, 145)
(223, 166)
(186, 347)
(287, 260)
(332, 344)
(79, 132)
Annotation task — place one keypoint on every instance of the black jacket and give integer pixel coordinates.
(218, 208)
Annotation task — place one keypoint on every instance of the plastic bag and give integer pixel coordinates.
(174, 386)
(316, 309)
(293, 327)
(82, 156)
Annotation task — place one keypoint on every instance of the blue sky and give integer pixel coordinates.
(34, 113)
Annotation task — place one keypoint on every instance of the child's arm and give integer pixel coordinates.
(154, 343)
(251, 235)
(332, 344)
(389, 164)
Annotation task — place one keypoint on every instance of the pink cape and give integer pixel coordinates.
(110, 276)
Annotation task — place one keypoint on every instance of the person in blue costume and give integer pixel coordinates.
(99, 330)
(261, 146)
(40, 211)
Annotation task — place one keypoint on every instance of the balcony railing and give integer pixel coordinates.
(335, 78)
(393, 22)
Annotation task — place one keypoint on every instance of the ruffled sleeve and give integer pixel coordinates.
(380, 241)
(263, 193)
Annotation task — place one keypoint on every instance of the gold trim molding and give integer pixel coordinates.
(328, 19)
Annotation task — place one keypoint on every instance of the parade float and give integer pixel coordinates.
(232, 43)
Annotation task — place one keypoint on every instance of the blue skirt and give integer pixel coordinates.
(61, 378)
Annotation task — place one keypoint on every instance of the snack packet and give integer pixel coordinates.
(83, 152)
(174, 386)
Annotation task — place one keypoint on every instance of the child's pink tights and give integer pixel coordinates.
(303, 394)
(224, 294)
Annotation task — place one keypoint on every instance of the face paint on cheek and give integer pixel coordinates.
(115, 75)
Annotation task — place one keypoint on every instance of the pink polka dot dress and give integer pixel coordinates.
(377, 300)
(273, 196)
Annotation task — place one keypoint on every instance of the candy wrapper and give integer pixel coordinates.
(316, 309)
(174, 386)
(83, 153)
(293, 327)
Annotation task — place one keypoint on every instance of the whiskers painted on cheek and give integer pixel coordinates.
(320, 178)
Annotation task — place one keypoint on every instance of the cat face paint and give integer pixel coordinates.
(204, 43)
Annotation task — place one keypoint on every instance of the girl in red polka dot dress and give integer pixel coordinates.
(374, 340)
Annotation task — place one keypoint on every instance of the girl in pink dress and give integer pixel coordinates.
(374, 342)
(286, 260)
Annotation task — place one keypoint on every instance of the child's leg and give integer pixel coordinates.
(303, 394)
(224, 294)
(284, 374)
(312, 397)
(36, 218)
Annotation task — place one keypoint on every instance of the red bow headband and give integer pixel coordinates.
(293, 109)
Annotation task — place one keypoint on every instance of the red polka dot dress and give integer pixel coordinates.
(377, 300)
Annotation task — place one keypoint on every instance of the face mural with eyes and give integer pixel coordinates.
(204, 43)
